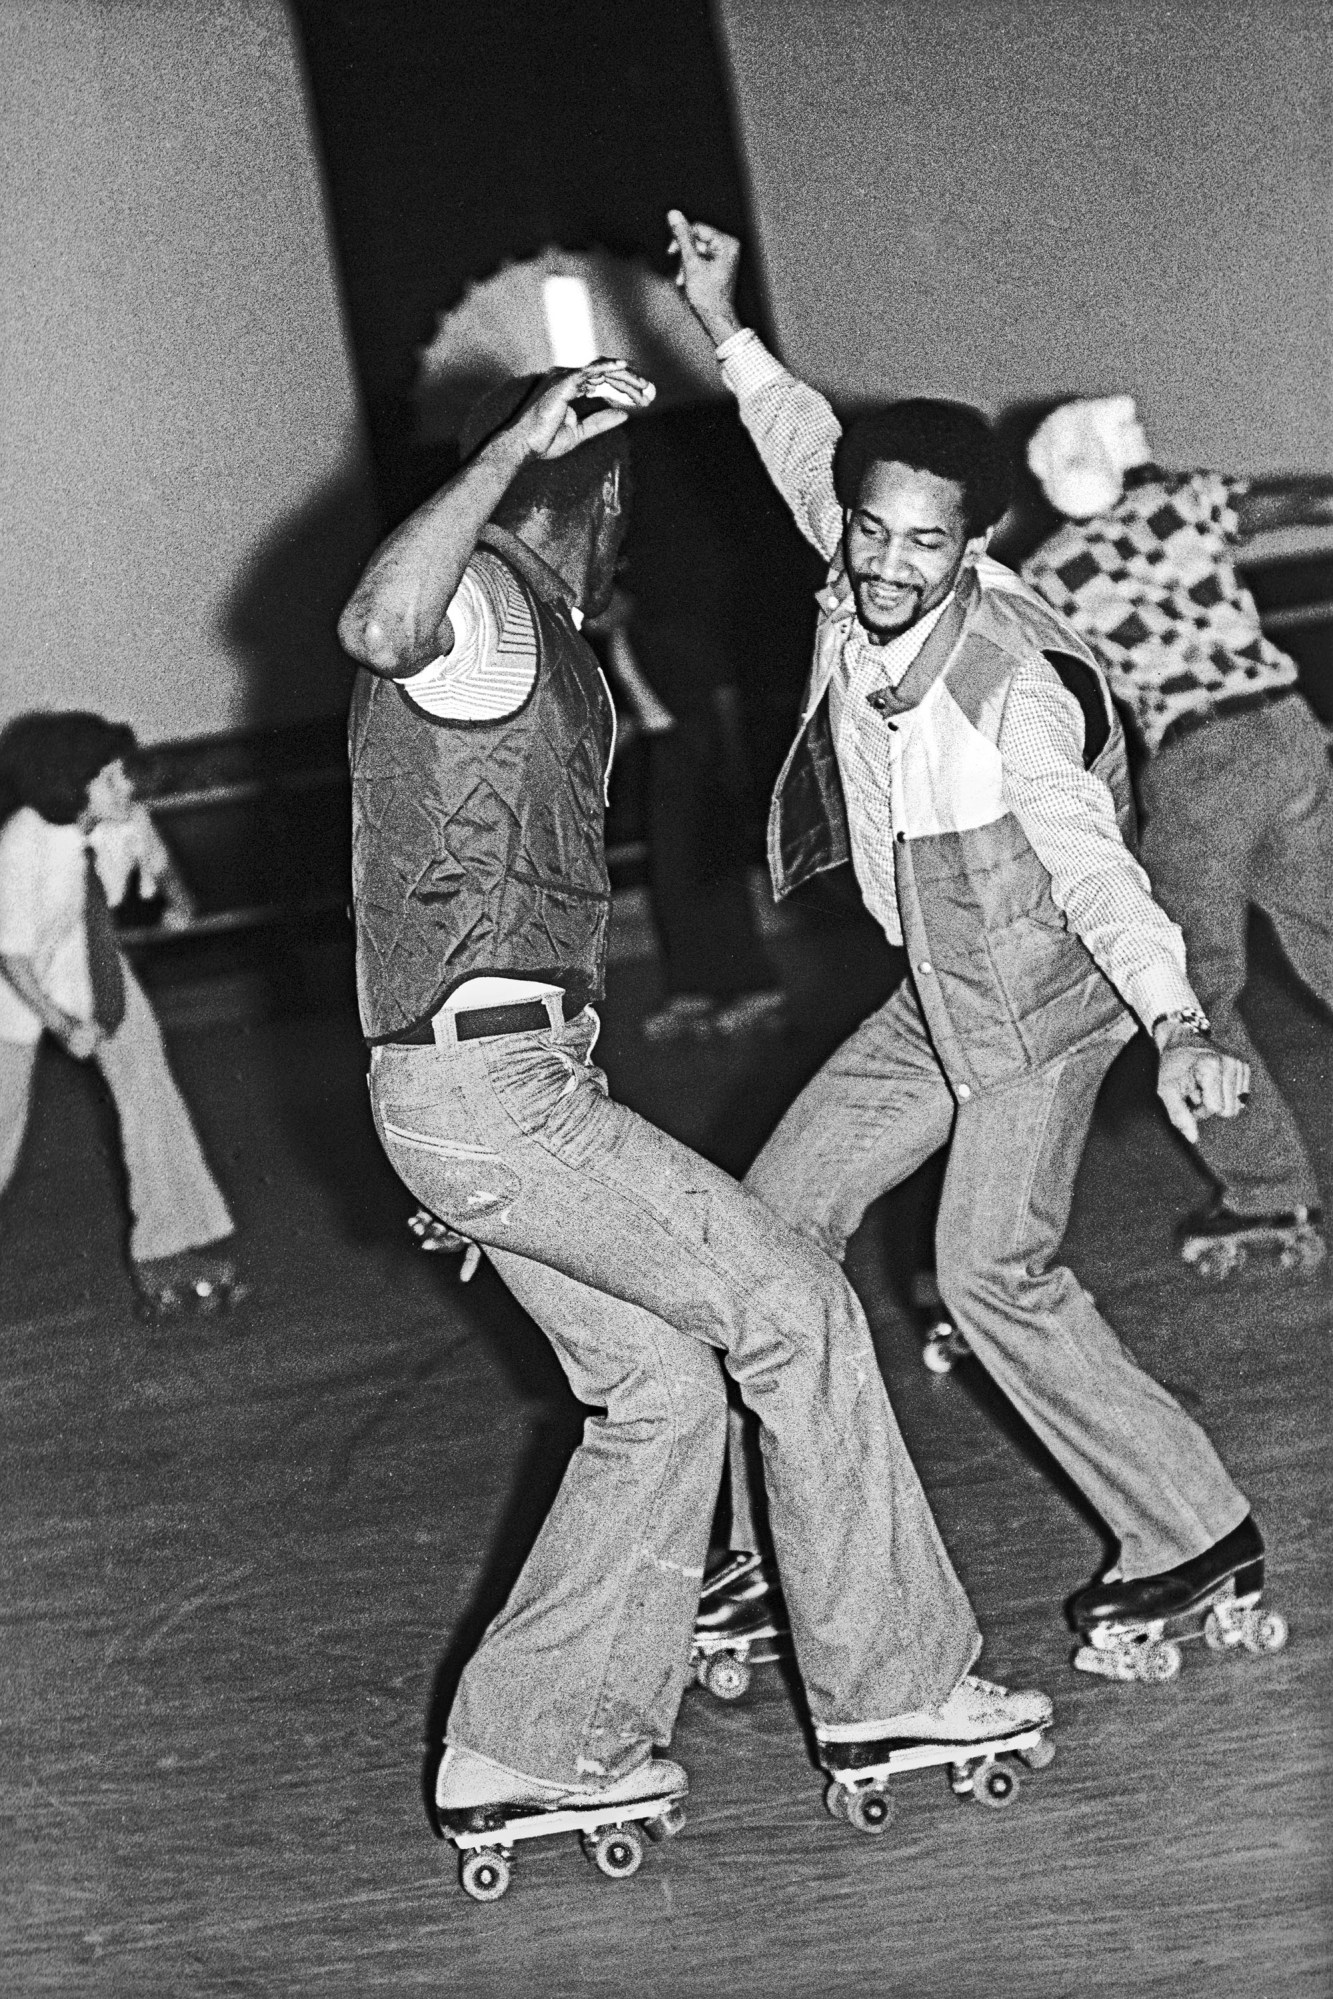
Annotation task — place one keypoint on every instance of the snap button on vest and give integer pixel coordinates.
(964, 1091)
(925, 966)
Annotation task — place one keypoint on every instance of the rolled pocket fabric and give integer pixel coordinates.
(461, 1184)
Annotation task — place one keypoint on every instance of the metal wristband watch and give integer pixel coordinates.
(1191, 1018)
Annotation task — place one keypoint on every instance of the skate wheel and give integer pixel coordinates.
(1160, 1662)
(1041, 1755)
(995, 1785)
(1218, 1260)
(835, 1800)
(1216, 1635)
(725, 1678)
(1268, 1633)
(618, 1852)
(870, 1809)
(937, 1357)
(1304, 1255)
(486, 1874)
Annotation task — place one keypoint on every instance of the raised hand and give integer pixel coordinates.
(707, 273)
(549, 427)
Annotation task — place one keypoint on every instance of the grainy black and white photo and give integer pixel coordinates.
(666, 998)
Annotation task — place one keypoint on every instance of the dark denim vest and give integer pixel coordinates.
(478, 847)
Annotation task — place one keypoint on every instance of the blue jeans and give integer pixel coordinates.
(881, 1106)
(1240, 813)
(649, 1271)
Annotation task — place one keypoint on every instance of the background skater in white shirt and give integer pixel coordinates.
(73, 835)
(958, 744)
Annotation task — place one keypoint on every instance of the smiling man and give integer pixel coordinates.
(958, 745)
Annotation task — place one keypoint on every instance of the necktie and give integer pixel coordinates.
(105, 971)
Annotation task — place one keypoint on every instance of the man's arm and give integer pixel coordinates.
(79, 1036)
(1296, 500)
(1068, 815)
(792, 425)
(397, 619)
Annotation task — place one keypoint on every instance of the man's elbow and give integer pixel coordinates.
(370, 642)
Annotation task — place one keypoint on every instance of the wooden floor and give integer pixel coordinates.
(239, 1562)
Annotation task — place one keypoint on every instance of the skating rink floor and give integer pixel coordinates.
(241, 1560)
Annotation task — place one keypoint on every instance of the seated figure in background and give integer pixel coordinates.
(73, 837)
(1235, 786)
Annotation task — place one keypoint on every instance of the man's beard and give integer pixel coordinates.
(887, 623)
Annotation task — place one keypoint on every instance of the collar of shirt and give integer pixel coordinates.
(548, 582)
(892, 659)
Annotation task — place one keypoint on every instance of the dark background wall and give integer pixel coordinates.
(457, 136)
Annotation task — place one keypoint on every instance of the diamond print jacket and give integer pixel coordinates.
(477, 847)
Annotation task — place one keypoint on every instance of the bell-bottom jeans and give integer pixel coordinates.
(881, 1106)
(650, 1271)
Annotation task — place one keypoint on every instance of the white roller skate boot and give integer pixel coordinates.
(1134, 1630)
(741, 1623)
(486, 1810)
(970, 1731)
(1220, 1242)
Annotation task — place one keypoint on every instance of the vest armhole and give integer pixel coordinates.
(1079, 679)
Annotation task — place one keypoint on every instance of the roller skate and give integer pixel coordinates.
(1219, 1242)
(195, 1282)
(944, 1343)
(1134, 1630)
(741, 1623)
(968, 1733)
(486, 1810)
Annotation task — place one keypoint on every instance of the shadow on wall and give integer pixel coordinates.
(281, 617)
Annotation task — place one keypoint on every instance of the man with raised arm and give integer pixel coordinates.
(480, 738)
(958, 744)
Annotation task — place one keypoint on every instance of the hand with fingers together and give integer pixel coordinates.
(709, 259)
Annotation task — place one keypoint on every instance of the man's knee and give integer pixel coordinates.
(777, 1180)
(979, 1291)
(681, 1400)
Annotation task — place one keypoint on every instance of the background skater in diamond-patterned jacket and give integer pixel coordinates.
(958, 744)
(1236, 791)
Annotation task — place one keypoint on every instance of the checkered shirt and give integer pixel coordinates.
(1066, 813)
(1152, 588)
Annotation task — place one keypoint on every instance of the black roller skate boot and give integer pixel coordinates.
(194, 1282)
(1134, 1630)
(969, 1732)
(1219, 1242)
(485, 1810)
(741, 1623)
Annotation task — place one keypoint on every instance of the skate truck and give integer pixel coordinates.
(612, 1836)
(860, 1773)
